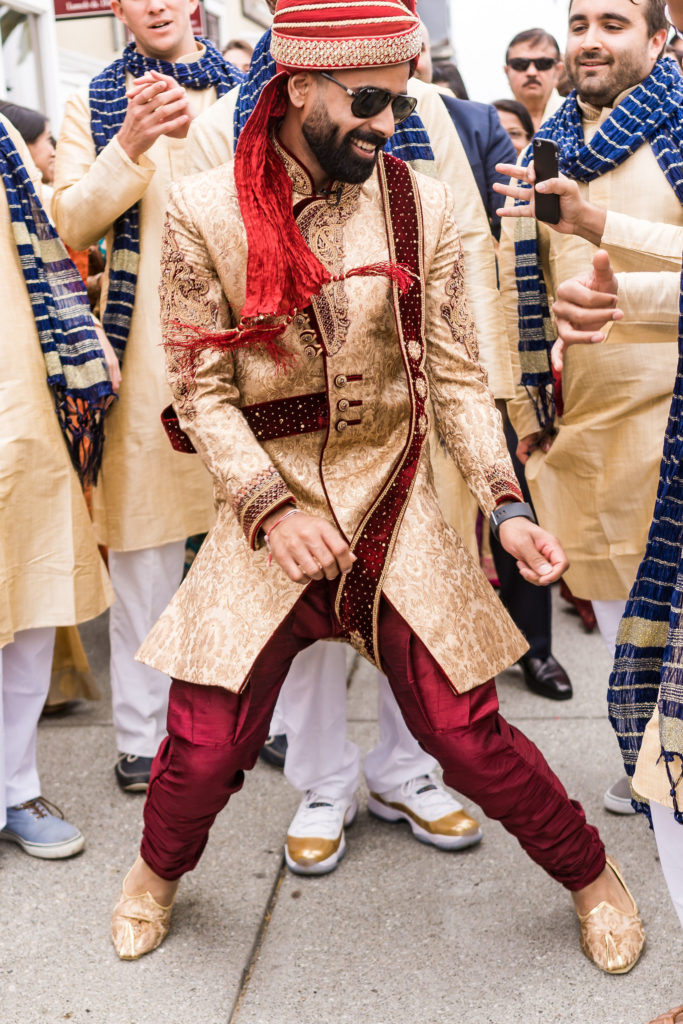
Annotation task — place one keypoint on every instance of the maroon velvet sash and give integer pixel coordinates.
(359, 593)
(283, 417)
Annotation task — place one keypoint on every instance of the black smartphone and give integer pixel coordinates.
(546, 166)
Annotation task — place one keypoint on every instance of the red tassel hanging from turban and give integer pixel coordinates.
(282, 272)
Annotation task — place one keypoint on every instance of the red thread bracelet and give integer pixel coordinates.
(286, 515)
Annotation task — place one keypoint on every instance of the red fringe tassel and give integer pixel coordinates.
(282, 272)
(266, 334)
(398, 272)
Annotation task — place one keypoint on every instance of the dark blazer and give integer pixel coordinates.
(486, 143)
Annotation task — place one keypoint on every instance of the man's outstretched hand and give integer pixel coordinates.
(539, 555)
(308, 547)
(583, 306)
(577, 216)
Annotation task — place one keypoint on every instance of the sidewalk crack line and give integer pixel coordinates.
(258, 943)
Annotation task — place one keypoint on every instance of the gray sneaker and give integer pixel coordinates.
(617, 798)
(40, 832)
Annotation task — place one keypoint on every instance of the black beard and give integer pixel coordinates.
(335, 155)
(630, 71)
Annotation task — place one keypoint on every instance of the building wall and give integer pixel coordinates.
(28, 55)
(241, 24)
(437, 17)
(85, 46)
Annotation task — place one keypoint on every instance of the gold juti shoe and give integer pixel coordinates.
(612, 939)
(139, 924)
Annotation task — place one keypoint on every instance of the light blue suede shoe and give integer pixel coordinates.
(40, 832)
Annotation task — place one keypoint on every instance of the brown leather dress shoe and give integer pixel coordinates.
(546, 677)
(674, 1016)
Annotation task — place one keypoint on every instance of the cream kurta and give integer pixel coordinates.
(554, 103)
(649, 298)
(481, 278)
(210, 143)
(595, 488)
(147, 494)
(51, 573)
(651, 294)
(231, 602)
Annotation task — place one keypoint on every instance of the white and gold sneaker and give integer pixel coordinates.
(315, 839)
(434, 815)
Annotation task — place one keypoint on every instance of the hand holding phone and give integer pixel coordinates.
(546, 165)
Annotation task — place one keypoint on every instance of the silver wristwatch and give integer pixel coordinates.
(509, 511)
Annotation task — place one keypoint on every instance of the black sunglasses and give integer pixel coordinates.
(369, 101)
(540, 63)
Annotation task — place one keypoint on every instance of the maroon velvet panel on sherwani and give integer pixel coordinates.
(359, 594)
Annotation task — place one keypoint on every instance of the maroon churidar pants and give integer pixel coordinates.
(214, 736)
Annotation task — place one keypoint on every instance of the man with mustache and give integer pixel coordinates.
(327, 522)
(592, 444)
(533, 65)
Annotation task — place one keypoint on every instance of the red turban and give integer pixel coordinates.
(331, 34)
(282, 272)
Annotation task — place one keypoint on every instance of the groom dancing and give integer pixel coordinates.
(314, 232)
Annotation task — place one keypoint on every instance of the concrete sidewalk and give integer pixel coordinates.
(401, 933)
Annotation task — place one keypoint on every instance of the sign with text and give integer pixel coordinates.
(81, 8)
(97, 8)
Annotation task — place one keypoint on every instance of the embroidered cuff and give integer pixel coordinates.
(265, 493)
(510, 496)
(503, 487)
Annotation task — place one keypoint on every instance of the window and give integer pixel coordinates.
(22, 74)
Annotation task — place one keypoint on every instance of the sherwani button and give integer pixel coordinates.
(340, 380)
(309, 351)
(342, 425)
(343, 404)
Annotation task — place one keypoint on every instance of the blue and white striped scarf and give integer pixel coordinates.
(76, 371)
(409, 142)
(648, 663)
(651, 113)
(108, 105)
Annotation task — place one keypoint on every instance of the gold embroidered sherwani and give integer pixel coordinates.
(210, 143)
(147, 494)
(51, 573)
(232, 602)
(595, 489)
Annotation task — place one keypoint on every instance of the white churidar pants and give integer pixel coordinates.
(669, 836)
(311, 710)
(668, 833)
(608, 615)
(144, 583)
(25, 670)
